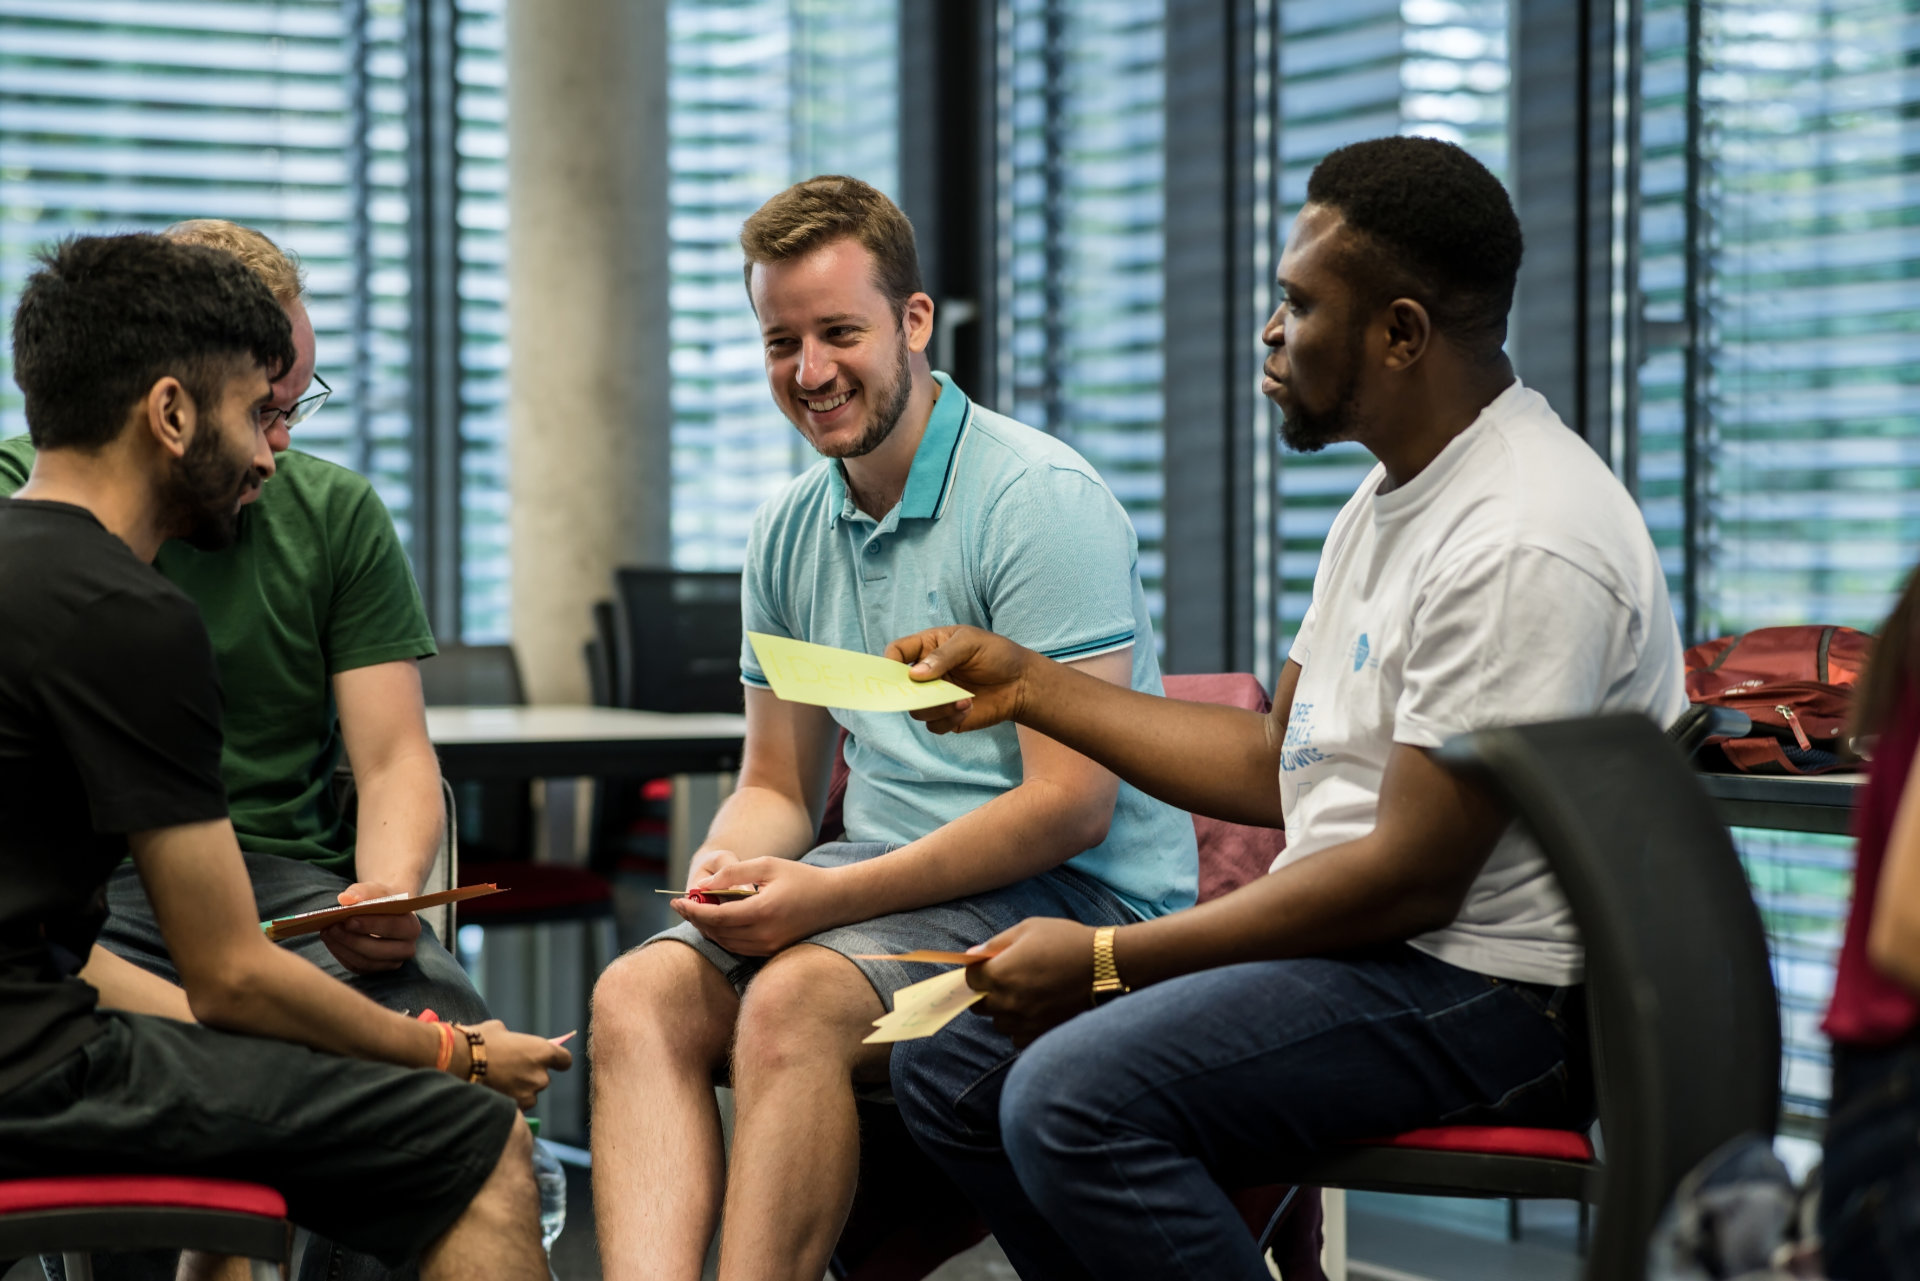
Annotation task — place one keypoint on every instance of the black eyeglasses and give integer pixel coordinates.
(303, 409)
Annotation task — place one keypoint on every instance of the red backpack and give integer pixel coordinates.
(1796, 683)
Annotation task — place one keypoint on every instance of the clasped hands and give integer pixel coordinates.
(795, 900)
(1036, 975)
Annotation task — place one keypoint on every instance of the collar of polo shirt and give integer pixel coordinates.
(930, 479)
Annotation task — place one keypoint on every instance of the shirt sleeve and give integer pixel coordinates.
(1302, 647)
(134, 695)
(376, 615)
(1058, 566)
(16, 464)
(758, 601)
(1510, 637)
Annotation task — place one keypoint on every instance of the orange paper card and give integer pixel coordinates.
(927, 956)
(288, 927)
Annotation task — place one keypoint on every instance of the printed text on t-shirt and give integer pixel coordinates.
(1298, 751)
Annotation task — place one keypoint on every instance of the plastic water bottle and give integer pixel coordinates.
(551, 1179)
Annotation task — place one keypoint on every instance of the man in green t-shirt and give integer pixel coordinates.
(317, 630)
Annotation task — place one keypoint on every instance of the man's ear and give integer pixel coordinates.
(1409, 333)
(171, 416)
(917, 319)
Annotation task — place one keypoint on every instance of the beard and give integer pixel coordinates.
(1308, 431)
(204, 491)
(889, 406)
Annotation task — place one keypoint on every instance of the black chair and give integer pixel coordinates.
(495, 820)
(1681, 1004)
(677, 640)
(602, 654)
(1702, 721)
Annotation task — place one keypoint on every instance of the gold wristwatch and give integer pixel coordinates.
(1106, 978)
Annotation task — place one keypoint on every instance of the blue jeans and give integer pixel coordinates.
(283, 887)
(1870, 1181)
(1102, 1150)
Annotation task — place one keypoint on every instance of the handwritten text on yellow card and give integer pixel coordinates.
(827, 677)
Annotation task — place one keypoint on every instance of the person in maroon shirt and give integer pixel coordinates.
(1870, 1198)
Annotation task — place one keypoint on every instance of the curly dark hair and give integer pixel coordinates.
(1435, 226)
(105, 317)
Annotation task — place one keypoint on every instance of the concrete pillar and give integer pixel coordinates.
(589, 412)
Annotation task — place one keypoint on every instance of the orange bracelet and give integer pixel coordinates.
(446, 1047)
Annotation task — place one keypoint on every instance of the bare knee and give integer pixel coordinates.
(661, 999)
(509, 1196)
(808, 1009)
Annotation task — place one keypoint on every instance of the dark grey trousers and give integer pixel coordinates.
(282, 887)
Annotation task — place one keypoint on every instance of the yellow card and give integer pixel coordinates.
(922, 1009)
(827, 677)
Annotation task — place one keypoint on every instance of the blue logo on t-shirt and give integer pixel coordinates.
(1360, 649)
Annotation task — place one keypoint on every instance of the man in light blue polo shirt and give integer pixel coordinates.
(925, 509)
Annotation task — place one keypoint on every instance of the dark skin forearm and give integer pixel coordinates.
(1222, 762)
(1406, 877)
(1395, 883)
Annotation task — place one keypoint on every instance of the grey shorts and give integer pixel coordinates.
(952, 926)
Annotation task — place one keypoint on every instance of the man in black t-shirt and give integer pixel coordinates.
(145, 365)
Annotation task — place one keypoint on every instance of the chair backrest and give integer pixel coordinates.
(605, 679)
(472, 676)
(678, 640)
(1681, 999)
(1231, 854)
(1702, 721)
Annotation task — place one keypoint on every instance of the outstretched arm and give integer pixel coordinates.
(1222, 762)
(1062, 805)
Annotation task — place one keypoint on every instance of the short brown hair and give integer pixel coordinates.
(265, 259)
(834, 207)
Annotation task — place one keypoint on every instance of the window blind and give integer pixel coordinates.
(290, 116)
(1081, 250)
(761, 93)
(286, 116)
(480, 174)
(1351, 70)
(1804, 435)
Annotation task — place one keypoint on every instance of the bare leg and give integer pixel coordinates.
(663, 1017)
(198, 1266)
(499, 1234)
(796, 1139)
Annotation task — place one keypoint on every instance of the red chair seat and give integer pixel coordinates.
(534, 888)
(1493, 1140)
(19, 1196)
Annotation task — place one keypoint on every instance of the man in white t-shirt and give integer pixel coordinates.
(1410, 960)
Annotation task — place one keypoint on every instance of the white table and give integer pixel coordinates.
(582, 742)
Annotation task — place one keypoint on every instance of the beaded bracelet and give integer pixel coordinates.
(476, 1053)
